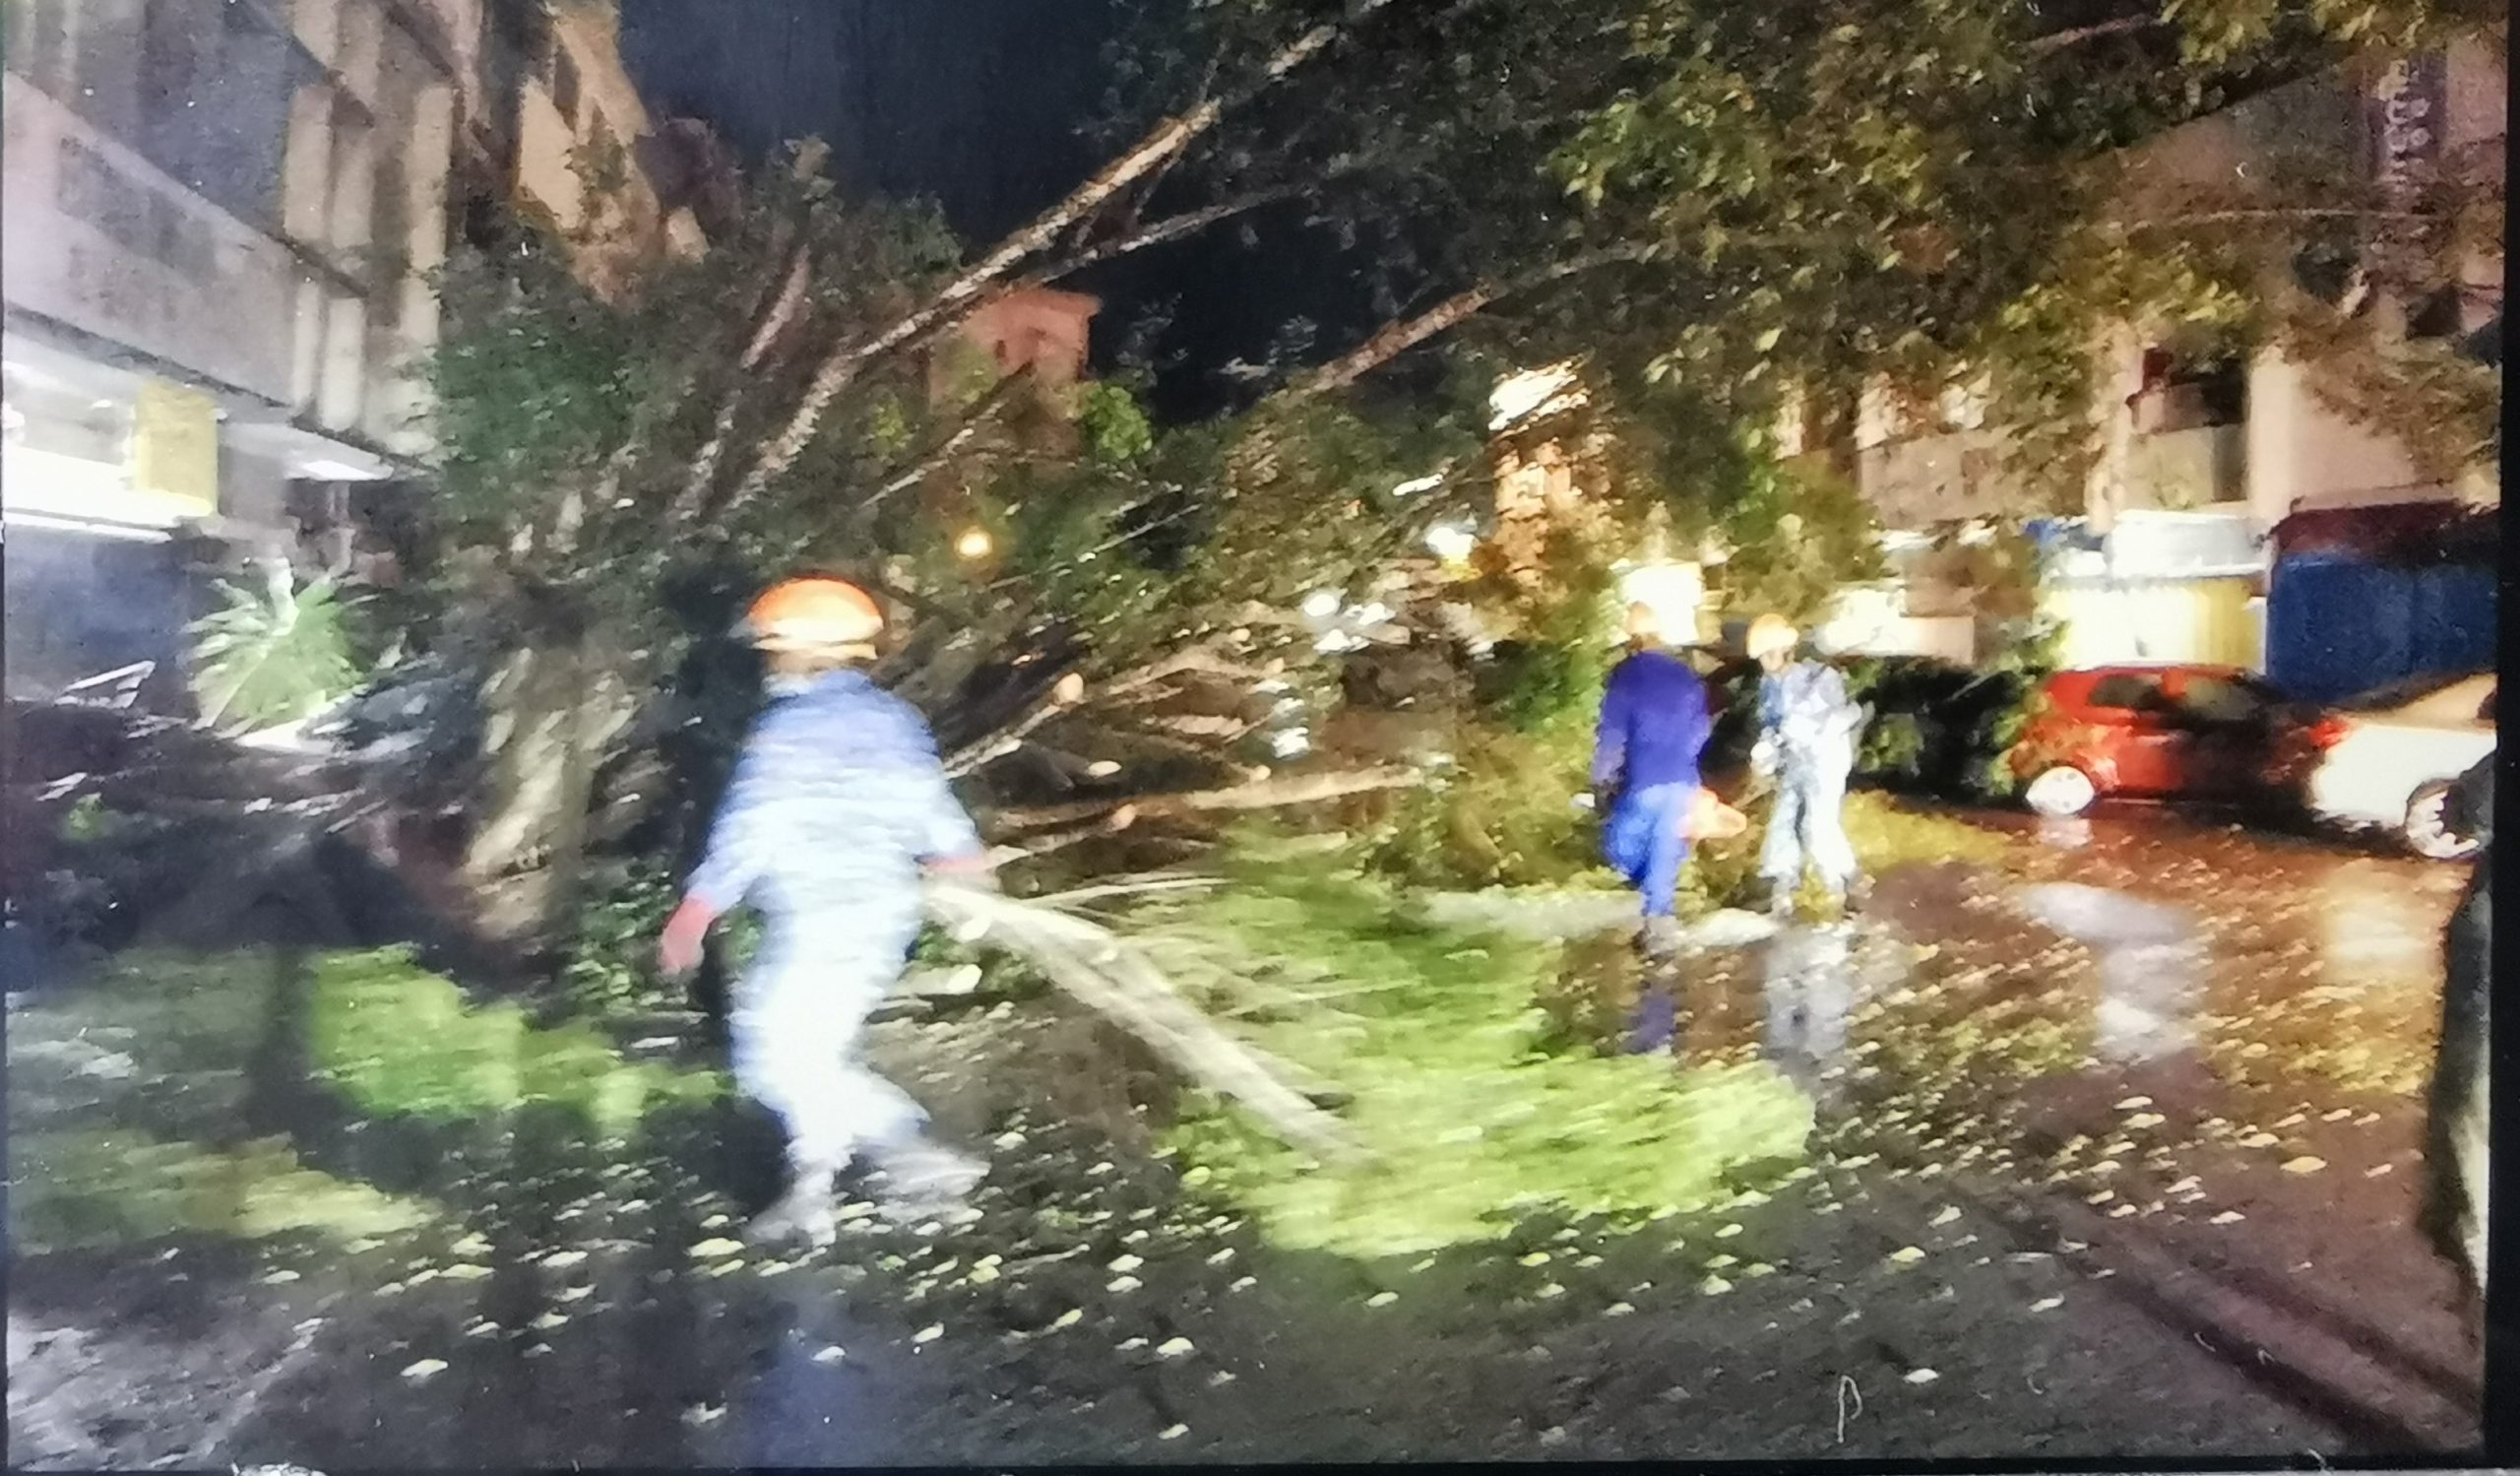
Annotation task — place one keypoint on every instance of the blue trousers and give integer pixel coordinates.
(1647, 841)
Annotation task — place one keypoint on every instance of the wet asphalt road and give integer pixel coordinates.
(2118, 1155)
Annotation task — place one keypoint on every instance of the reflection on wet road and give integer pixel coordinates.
(2150, 959)
(2127, 1119)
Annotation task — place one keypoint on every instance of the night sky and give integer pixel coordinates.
(977, 104)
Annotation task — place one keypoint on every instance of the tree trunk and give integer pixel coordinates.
(554, 709)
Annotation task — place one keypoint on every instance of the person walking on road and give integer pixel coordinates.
(1808, 730)
(1654, 726)
(837, 805)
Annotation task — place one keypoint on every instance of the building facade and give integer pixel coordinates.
(2202, 458)
(222, 219)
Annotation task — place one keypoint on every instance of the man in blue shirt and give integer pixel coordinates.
(1654, 724)
(837, 806)
(1808, 731)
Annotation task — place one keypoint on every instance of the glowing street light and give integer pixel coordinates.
(975, 543)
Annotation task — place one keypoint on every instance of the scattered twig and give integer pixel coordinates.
(973, 756)
(1846, 1386)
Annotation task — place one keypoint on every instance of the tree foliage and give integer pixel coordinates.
(1745, 197)
(1710, 206)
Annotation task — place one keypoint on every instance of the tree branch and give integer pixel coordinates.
(1265, 794)
(2124, 26)
(949, 303)
(1169, 228)
(1396, 339)
(772, 320)
(979, 417)
(987, 749)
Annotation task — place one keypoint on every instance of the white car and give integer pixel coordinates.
(2396, 752)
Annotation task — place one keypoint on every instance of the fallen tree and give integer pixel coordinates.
(1107, 974)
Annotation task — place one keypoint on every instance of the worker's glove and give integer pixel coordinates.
(1763, 758)
(978, 872)
(678, 951)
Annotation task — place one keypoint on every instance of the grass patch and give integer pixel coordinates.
(109, 1080)
(399, 1041)
(1438, 1040)
(83, 1188)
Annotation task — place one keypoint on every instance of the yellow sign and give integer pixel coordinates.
(175, 446)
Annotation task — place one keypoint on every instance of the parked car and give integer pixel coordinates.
(2166, 732)
(2391, 756)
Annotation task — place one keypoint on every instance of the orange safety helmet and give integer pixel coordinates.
(814, 614)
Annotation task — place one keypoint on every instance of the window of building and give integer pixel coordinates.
(564, 85)
(38, 37)
(2190, 391)
(524, 32)
(216, 81)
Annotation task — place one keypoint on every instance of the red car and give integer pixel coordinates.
(2166, 732)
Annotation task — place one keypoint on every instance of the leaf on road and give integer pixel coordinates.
(2306, 1164)
(425, 1369)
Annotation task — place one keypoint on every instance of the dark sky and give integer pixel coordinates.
(976, 104)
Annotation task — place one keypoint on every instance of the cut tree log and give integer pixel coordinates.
(1102, 971)
(1272, 793)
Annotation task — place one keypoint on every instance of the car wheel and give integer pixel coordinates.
(2060, 792)
(2426, 831)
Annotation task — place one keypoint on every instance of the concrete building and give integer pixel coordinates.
(221, 219)
(2200, 461)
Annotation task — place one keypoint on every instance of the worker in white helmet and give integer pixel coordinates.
(1808, 731)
